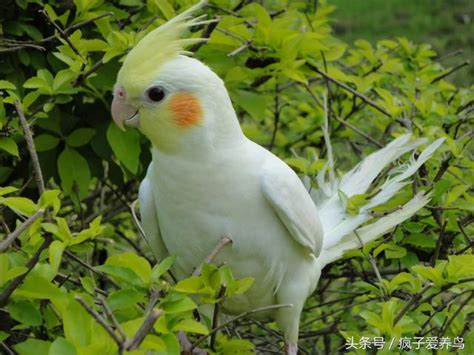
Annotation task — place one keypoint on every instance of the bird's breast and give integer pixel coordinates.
(199, 204)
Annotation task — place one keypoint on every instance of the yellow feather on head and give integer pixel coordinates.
(157, 47)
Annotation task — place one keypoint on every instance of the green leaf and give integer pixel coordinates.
(74, 173)
(355, 202)
(177, 303)
(13, 272)
(50, 198)
(88, 284)
(45, 142)
(234, 346)
(37, 287)
(121, 274)
(254, 104)
(62, 82)
(9, 145)
(126, 146)
(124, 298)
(240, 286)
(20, 205)
(25, 312)
(56, 249)
(7, 190)
(38, 83)
(429, 273)
(62, 347)
(80, 137)
(192, 284)
(191, 326)
(33, 347)
(138, 264)
(4, 84)
(394, 251)
(165, 8)
(161, 268)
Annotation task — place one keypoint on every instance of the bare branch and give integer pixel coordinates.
(7, 291)
(89, 267)
(5, 243)
(215, 316)
(348, 88)
(222, 243)
(413, 300)
(461, 306)
(342, 121)
(456, 68)
(31, 148)
(63, 34)
(144, 329)
(112, 317)
(240, 316)
(101, 321)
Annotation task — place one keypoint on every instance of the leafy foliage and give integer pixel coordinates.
(72, 255)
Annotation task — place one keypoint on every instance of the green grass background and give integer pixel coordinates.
(448, 25)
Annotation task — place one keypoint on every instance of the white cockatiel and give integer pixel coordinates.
(207, 180)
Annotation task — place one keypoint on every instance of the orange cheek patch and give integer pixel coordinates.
(185, 109)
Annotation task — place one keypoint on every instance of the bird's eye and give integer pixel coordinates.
(155, 93)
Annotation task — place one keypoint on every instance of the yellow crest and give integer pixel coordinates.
(157, 47)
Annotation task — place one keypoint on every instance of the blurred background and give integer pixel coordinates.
(448, 25)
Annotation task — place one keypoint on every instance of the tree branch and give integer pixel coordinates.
(5, 243)
(102, 322)
(222, 243)
(240, 316)
(31, 148)
(144, 329)
(348, 88)
(6, 293)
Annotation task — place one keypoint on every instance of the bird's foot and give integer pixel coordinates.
(291, 349)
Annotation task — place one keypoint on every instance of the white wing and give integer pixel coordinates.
(287, 195)
(149, 218)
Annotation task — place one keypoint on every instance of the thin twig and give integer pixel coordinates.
(342, 121)
(222, 243)
(70, 29)
(456, 68)
(101, 321)
(348, 88)
(240, 316)
(276, 117)
(31, 148)
(414, 299)
(144, 329)
(112, 317)
(139, 227)
(83, 76)
(215, 315)
(61, 278)
(206, 34)
(7, 349)
(349, 306)
(358, 131)
(63, 34)
(89, 267)
(461, 306)
(7, 291)
(374, 267)
(5, 243)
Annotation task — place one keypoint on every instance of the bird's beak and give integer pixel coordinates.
(124, 113)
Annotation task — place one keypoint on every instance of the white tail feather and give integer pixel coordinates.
(337, 224)
(374, 230)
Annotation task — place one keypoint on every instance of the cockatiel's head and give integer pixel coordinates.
(176, 101)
